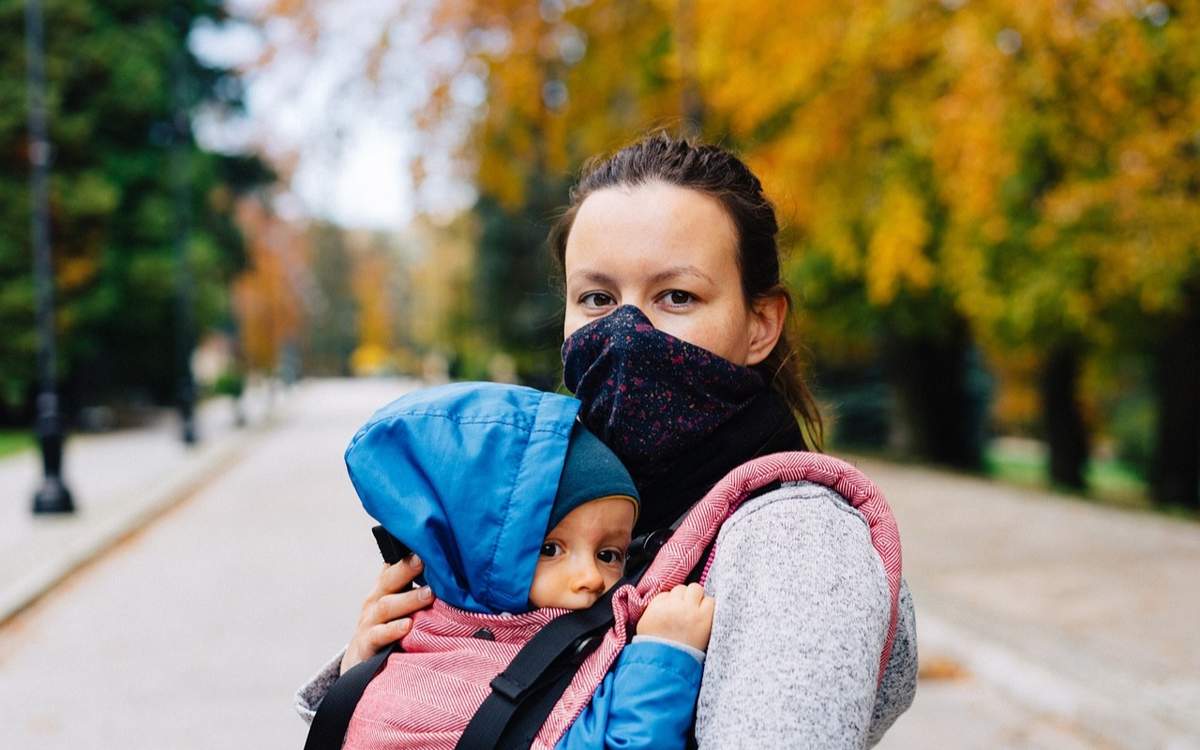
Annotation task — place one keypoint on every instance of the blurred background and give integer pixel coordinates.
(991, 217)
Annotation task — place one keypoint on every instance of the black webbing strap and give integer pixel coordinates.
(328, 729)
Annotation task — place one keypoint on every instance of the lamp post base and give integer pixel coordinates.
(53, 497)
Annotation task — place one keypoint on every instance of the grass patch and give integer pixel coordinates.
(1108, 480)
(14, 441)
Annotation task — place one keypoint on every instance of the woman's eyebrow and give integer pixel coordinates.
(594, 277)
(675, 271)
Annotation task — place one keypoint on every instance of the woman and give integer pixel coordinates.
(675, 344)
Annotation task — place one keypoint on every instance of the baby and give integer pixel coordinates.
(518, 513)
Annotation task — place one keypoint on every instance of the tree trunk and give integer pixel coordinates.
(1176, 478)
(1063, 424)
(943, 414)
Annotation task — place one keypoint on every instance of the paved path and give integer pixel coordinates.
(1081, 617)
(1052, 624)
(119, 481)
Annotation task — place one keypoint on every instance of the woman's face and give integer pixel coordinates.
(672, 253)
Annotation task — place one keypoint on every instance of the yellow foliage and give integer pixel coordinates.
(371, 282)
(74, 272)
(369, 359)
(895, 255)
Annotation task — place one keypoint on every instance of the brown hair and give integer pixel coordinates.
(716, 172)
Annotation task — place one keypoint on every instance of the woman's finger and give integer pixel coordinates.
(396, 577)
(395, 606)
(367, 642)
(381, 635)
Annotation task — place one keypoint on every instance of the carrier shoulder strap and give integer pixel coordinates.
(328, 729)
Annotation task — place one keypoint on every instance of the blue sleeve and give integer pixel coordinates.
(646, 701)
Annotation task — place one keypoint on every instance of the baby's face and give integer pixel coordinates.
(584, 555)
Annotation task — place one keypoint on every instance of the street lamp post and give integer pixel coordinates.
(53, 495)
(184, 323)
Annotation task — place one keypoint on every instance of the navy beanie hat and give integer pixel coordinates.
(591, 471)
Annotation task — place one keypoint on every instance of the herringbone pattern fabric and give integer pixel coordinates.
(424, 697)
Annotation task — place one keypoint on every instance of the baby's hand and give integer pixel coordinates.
(683, 614)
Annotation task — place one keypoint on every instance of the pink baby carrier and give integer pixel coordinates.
(454, 662)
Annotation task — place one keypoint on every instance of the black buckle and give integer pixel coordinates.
(643, 548)
(584, 648)
(510, 690)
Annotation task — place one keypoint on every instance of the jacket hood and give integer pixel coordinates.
(465, 475)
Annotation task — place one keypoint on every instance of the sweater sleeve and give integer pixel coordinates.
(646, 701)
(309, 696)
(801, 617)
(899, 684)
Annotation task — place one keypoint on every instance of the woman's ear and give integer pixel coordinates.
(767, 316)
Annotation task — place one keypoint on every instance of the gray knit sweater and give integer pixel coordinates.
(802, 614)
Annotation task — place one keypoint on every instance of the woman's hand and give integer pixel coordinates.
(385, 613)
(684, 615)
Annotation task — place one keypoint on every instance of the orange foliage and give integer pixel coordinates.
(266, 297)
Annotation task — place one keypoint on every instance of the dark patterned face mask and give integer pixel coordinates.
(648, 395)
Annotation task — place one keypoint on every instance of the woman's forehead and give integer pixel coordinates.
(651, 230)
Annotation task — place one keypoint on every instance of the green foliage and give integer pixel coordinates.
(113, 195)
(14, 441)
(518, 307)
(229, 383)
(332, 331)
(1109, 480)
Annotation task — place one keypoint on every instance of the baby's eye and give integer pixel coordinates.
(594, 300)
(550, 549)
(611, 556)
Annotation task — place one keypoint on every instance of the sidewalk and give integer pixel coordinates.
(120, 481)
(1085, 615)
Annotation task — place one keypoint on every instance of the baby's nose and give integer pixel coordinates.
(588, 578)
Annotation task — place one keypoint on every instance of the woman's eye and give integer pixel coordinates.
(610, 556)
(550, 549)
(679, 297)
(596, 299)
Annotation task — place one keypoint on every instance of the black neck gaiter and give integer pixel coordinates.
(678, 416)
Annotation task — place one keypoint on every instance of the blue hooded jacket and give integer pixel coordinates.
(465, 475)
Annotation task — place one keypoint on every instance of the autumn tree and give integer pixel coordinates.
(269, 295)
(1084, 149)
(1029, 170)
